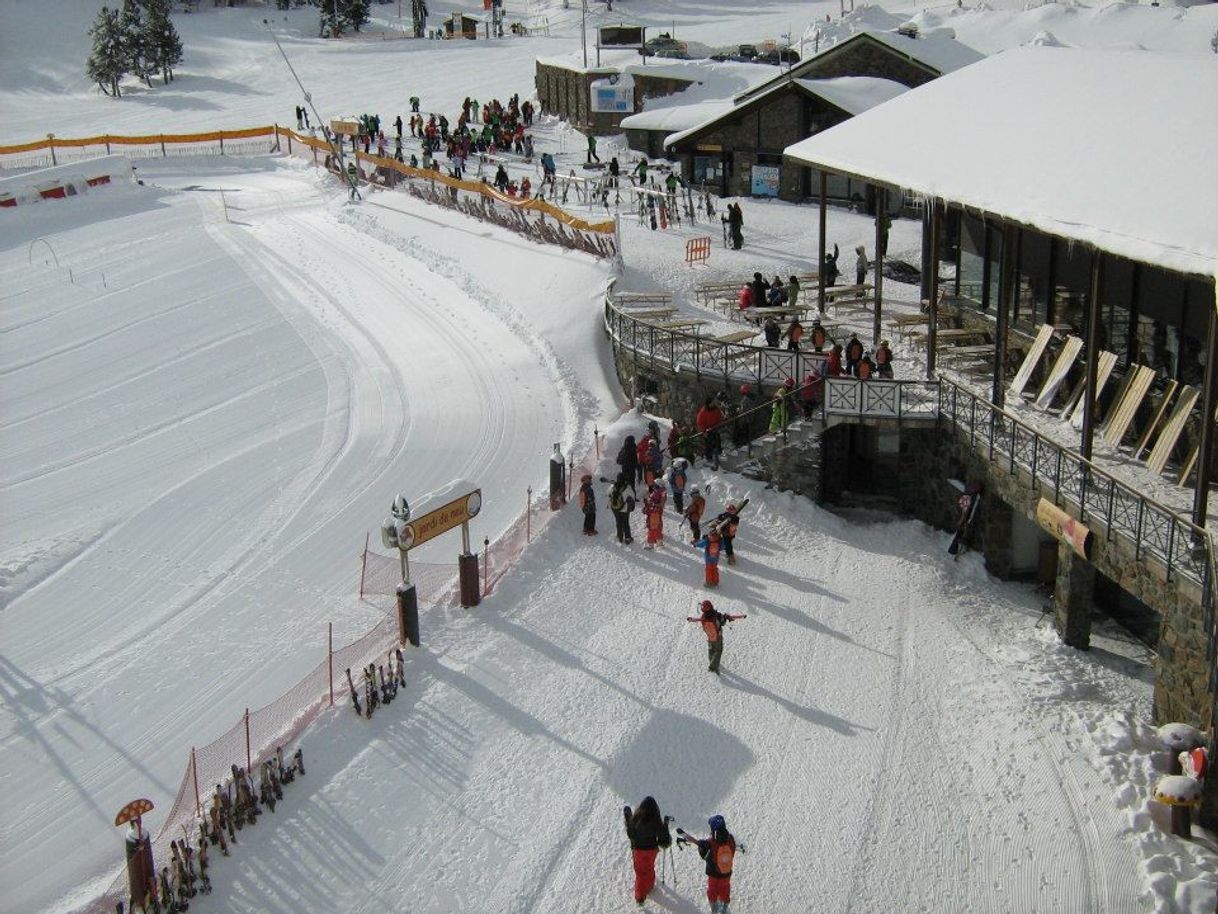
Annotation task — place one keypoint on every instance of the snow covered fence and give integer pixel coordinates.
(59, 150)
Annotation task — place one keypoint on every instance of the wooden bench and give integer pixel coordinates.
(644, 314)
(959, 336)
(642, 298)
(981, 349)
(675, 325)
(737, 336)
(757, 315)
(905, 323)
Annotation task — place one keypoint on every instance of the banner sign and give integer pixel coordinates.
(441, 520)
(1065, 528)
(765, 180)
(613, 98)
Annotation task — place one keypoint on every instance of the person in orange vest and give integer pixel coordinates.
(653, 510)
(710, 546)
(728, 524)
(794, 334)
(587, 504)
(883, 360)
(712, 624)
(818, 336)
(694, 512)
(719, 852)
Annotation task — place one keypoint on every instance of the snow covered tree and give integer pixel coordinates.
(341, 15)
(135, 40)
(107, 61)
(164, 47)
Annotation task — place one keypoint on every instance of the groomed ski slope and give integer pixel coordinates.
(197, 435)
(891, 732)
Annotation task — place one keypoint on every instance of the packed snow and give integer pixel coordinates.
(214, 385)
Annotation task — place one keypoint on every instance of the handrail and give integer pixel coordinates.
(1100, 498)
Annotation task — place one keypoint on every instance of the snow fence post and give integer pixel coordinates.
(596, 437)
(248, 757)
(486, 565)
(194, 773)
(330, 658)
(363, 566)
(528, 515)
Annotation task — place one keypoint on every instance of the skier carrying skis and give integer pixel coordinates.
(712, 624)
(648, 833)
(727, 524)
(621, 503)
(719, 852)
(711, 544)
(587, 504)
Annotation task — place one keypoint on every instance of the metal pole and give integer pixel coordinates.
(1095, 290)
(330, 659)
(820, 278)
(194, 773)
(932, 334)
(248, 756)
(583, 28)
(363, 565)
(51, 144)
(1205, 448)
(881, 213)
(528, 515)
(486, 566)
(1006, 283)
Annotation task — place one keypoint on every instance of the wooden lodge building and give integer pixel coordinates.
(1052, 232)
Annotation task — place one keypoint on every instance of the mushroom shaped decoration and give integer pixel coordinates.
(1194, 763)
(1181, 794)
(1179, 737)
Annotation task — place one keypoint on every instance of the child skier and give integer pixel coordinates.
(693, 513)
(728, 523)
(711, 544)
(621, 503)
(719, 852)
(712, 623)
(653, 510)
(676, 481)
(587, 504)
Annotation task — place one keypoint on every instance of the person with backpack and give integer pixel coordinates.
(648, 834)
(773, 333)
(883, 360)
(854, 354)
(694, 512)
(642, 455)
(628, 460)
(710, 417)
(719, 852)
(653, 510)
(728, 524)
(794, 334)
(621, 503)
(712, 622)
(780, 412)
(655, 459)
(711, 545)
(587, 504)
(742, 428)
(678, 473)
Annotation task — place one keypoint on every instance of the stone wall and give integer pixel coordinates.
(868, 58)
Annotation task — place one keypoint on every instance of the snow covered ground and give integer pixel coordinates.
(202, 416)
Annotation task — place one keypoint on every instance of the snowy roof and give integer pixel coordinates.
(679, 117)
(852, 94)
(1083, 144)
(938, 51)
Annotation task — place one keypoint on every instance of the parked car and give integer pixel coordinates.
(785, 55)
(662, 42)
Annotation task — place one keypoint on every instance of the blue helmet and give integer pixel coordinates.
(716, 823)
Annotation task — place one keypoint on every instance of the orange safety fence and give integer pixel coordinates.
(258, 733)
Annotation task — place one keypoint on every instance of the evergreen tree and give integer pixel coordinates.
(107, 61)
(164, 47)
(135, 40)
(351, 14)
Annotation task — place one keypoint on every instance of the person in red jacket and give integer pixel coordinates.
(719, 852)
(712, 624)
(653, 510)
(708, 420)
(833, 367)
(648, 833)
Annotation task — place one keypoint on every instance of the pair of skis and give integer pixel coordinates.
(388, 685)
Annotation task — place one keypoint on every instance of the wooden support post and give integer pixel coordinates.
(163, 152)
(881, 215)
(1003, 318)
(932, 334)
(51, 144)
(249, 761)
(1094, 314)
(363, 565)
(1205, 448)
(820, 279)
(194, 773)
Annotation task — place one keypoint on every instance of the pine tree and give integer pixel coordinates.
(107, 61)
(164, 47)
(135, 40)
(351, 14)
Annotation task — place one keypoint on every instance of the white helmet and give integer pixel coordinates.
(694, 490)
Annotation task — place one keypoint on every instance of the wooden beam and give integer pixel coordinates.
(881, 213)
(1002, 319)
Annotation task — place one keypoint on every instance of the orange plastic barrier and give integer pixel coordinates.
(697, 250)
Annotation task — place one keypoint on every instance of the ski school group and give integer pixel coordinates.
(649, 836)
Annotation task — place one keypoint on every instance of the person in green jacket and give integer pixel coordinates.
(780, 413)
(792, 291)
(592, 150)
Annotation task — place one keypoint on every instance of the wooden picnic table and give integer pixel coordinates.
(675, 325)
(757, 315)
(644, 314)
(648, 298)
(737, 336)
(959, 336)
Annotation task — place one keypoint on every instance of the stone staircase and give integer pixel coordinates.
(791, 462)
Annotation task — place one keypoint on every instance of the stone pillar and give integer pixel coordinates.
(997, 519)
(1072, 598)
